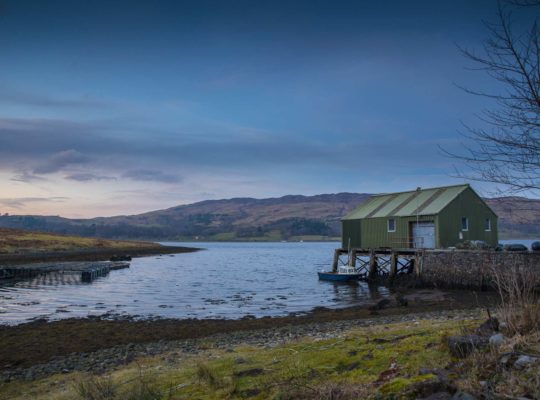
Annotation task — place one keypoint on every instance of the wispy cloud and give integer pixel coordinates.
(87, 177)
(61, 160)
(27, 177)
(10, 95)
(21, 202)
(148, 175)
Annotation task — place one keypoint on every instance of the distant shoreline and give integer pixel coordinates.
(95, 254)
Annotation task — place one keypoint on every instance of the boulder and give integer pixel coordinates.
(489, 327)
(496, 340)
(525, 361)
(463, 345)
(463, 396)
(438, 396)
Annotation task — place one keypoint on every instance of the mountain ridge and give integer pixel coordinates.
(290, 217)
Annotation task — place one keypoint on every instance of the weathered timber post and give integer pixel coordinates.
(372, 265)
(352, 258)
(336, 260)
(417, 262)
(393, 264)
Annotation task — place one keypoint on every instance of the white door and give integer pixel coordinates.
(423, 235)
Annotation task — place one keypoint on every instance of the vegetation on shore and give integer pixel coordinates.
(382, 360)
(16, 241)
(19, 246)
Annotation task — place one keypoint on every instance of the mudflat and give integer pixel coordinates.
(40, 341)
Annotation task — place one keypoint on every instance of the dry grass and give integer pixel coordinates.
(93, 387)
(520, 308)
(142, 387)
(492, 371)
(18, 241)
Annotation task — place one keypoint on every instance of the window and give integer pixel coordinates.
(391, 225)
(487, 224)
(464, 223)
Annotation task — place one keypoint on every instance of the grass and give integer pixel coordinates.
(14, 241)
(375, 362)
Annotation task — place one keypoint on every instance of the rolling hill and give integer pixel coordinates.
(285, 218)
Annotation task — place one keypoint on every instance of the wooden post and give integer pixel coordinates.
(418, 263)
(372, 265)
(393, 264)
(352, 258)
(336, 259)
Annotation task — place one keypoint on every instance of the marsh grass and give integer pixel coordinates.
(143, 386)
(94, 387)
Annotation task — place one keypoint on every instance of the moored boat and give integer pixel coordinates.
(343, 274)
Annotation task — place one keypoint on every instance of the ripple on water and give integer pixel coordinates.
(228, 280)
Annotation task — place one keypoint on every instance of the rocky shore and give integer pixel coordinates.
(107, 359)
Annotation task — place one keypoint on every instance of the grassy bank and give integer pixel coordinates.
(370, 362)
(18, 246)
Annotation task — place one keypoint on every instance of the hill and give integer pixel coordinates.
(284, 218)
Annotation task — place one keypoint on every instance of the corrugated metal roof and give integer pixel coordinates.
(416, 202)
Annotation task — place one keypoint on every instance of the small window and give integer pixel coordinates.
(391, 225)
(487, 224)
(464, 223)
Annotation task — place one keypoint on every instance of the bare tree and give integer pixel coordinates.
(507, 151)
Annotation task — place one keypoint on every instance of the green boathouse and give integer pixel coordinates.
(423, 218)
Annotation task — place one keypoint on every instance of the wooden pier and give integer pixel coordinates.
(88, 271)
(378, 263)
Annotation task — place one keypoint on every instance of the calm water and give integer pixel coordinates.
(228, 280)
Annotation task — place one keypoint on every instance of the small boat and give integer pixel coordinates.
(343, 274)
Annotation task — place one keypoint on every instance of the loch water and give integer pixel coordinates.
(226, 280)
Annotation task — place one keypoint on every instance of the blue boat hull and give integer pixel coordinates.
(332, 276)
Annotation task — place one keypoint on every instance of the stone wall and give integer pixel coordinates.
(473, 268)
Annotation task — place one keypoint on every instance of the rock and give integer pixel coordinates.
(462, 396)
(525, 361)
(496, 340)
(489, 327)
(402, 301)
(462, 346)
(438, 396)
(383, 304)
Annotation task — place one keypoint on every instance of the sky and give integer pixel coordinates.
(120, 107)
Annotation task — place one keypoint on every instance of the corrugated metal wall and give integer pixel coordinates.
(469, 205)
(373, 232)
(351, 230)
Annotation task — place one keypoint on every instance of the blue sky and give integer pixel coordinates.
(127, 106)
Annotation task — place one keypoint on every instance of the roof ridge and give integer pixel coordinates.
(421, 190)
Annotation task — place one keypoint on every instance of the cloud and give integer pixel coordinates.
(27, 177)
(20, 202)
(148, 175)
(86, 177)
(11, 95)
(61, 160)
